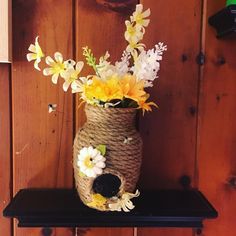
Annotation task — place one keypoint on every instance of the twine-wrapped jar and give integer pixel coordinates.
(114, 128)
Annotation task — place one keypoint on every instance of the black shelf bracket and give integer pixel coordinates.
(224, 22)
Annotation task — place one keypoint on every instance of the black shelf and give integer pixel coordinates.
(224, 22)
(63, 208)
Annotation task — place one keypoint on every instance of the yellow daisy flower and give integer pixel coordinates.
(98, 201)
(36, 53)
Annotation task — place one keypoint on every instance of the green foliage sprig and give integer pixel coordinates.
(90, 59)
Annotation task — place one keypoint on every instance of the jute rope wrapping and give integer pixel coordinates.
(110, 126)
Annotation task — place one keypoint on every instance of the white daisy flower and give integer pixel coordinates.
(124, 203)
(56, 67)
(35, 53)
(91, 162)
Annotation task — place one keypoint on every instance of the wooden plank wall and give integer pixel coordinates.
(193, 132)
(42, 142)
(5, 147)
(217, 126)
(169, 133)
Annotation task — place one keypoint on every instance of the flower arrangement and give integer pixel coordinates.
(118, 85)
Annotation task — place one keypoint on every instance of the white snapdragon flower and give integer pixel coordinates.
(147, 64)
(106, 69)
(122, 67)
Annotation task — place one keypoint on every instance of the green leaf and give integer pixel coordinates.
(90, 59)
(102, 149)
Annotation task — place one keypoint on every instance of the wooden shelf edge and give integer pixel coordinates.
(63, 208)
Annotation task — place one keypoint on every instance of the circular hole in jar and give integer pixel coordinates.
(107, 185)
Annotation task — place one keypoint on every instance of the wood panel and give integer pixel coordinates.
(5, 147)
(101, 30)
(169, 134)
(6, 31)
(217, 127)
(42, 142)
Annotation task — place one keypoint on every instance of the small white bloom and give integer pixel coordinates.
(56, 68)
(77, 85)
(91, 162)
(139, 16)
(35, 53)
(122, 67)
(147, 64)
(71, 75)
(124, 203)
(133, 33)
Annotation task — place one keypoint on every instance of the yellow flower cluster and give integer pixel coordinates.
(117, 88)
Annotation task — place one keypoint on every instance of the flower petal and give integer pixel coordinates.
(49, 60)
(146, 13)
(36, 64)
(31, 56)
(32, 48)
(66, 85)
(79, 66)
(58, 57)
(47, 71)
(55, 78)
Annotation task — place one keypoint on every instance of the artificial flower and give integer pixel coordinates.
(147, 64)
(78, 85)
(124, 202)
(36, 53)
(98, 201)
(132, 88)
(90, 161)
(144, 105)
(104, 91)
(134, 49)
(133, 33)
(71, 75)
(139, 16)
(56, 67)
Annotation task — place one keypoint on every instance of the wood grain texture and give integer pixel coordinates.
(217, 127)
(6, 31)
(5, 147)
(101, 30)
(42, 142)
(169, 133)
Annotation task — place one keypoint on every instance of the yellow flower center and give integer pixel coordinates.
(139, 19)
(88, 162)
(131, 30)
(58, 67)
